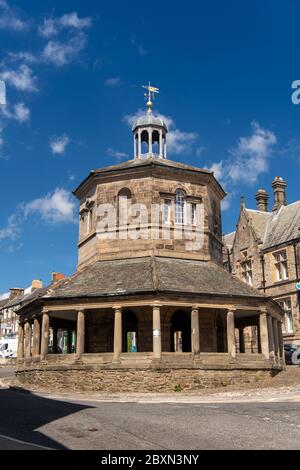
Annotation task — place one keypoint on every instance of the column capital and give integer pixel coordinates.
(117, 307)
(195, 307)
(231, 309)
(154, 305)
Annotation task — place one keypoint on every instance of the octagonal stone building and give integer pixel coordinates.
(150, 306)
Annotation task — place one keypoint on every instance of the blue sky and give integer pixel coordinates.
(73, 71)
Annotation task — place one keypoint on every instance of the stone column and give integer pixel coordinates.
(45, 335)
(276, 339)
(280, 341)
(36, 338)
(264, 336)
(21, 341)
(165, 148)
(134, 145)
(195, 330)
(118, 333)
(139, 144)
(231, 334)
(271, 336)
(156, 332)
(160, 144)
(150, 140)
(241, 339)
(27, 340)
(80, 333)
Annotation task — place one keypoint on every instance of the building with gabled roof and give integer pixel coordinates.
(264, 252)
(150, 304)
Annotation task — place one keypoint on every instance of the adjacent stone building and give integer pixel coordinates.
(264, 253)
(150, 305)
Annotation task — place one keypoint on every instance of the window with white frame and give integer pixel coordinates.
(193, 213)
(179, 206)
(288, 325)
(247, 272)
(167, 211)
(281, 265)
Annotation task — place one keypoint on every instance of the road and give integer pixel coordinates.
(31, 421)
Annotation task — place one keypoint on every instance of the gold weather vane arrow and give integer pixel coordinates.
(150, 95)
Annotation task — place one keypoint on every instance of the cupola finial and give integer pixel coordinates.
(151, 90)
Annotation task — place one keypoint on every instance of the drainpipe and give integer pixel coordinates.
(262, 263)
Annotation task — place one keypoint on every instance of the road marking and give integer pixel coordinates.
(24, 442)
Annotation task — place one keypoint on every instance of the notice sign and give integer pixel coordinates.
(156, 332)
(2, 92)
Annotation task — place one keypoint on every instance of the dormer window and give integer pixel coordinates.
(179, 206)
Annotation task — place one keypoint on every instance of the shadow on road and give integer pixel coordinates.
(22, 413)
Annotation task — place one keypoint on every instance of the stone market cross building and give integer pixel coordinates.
(155, 312)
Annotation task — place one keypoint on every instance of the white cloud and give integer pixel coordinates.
(62, 53)
(113, 82)
(55, 207)
(116, 154)
(10, 18)
(58, 145)
(178, 141)
(248, 160)
(20, 112)
(52, 26)
(22, 79)
(23, 56)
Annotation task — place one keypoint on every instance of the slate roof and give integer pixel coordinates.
(24, 299)
(3, 302)
(142, 275)
(283, 226)
(259, 221)
(228, 239)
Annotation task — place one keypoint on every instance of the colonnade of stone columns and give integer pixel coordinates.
(35, 342)
(137, 140)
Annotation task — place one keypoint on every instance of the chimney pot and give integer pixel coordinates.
(36, 284)
(262, 198)
(15, 292)
(279, 189)
(57, 276)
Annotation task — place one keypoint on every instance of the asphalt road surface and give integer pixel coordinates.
(35, 422)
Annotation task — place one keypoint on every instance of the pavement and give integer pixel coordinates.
(242, 419)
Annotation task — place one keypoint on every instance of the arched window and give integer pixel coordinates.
(179, 206)
(124, 197)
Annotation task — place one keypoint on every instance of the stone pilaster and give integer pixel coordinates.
(271, 336)
(117, 333)
(45, 335)
(231, 334)
(276, 339)
(80, 333)
(195, 330)
(20, 353)
(156, 332)
(27, 340)
(36, 338)
(264, 336)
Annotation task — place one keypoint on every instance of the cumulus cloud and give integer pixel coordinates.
(58, 145)
(19, 112)
(178, 142)
(52, 26)
(22, 79)
(55, 207)
(248, 159)
(11, 18)
(61, 53)
(113, 82)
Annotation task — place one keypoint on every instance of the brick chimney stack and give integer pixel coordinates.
(279, 188)
(15, 292)
(262, 198)
(57, 277)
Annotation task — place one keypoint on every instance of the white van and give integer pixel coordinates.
(8, 348)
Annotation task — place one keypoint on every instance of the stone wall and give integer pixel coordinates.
(165, 380)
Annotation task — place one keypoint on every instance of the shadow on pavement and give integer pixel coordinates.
(22, 413)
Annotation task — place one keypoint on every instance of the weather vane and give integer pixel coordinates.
(150, 95)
